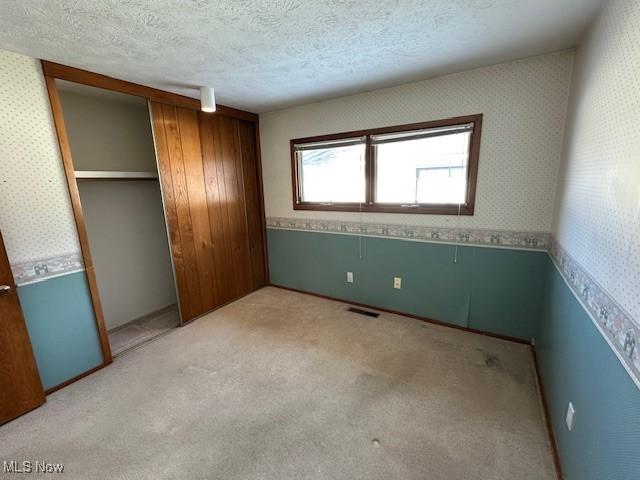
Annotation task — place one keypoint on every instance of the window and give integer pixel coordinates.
(421, 168)
(332, 172)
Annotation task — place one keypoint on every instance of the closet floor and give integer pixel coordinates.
(143, 330)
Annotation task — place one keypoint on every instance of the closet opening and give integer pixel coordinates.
(116, 173)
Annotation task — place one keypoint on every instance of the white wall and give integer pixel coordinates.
(524, 105)
(125, 219)
(36, 219)
(597, 218)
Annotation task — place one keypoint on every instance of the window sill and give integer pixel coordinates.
(420, 210)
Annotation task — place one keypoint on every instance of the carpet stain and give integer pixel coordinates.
(492, 361)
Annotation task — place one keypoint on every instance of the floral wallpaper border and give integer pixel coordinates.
(44, 268)
(616, 325)
(494, 238)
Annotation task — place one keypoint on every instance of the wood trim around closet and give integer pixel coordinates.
(98, 80)
(83, 236)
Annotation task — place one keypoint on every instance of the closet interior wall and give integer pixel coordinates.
(110, 134)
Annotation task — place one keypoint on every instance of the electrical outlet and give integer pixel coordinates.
(570, 413)
(397, 283)
(349, 277)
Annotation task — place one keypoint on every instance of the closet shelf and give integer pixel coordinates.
(114, 175)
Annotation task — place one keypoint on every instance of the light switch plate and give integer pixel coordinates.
(349, 277)
(397, 283)
(570, 413)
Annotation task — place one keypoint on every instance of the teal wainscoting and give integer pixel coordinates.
(62, 327)
(495, 290)
(578, 365)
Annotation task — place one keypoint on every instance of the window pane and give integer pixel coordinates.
(332, 175)
(441, 185)
(426, 170)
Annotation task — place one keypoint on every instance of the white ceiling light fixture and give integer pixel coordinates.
(207, 99)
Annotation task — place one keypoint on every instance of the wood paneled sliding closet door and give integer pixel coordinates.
(209, 179)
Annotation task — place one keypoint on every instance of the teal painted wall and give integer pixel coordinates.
(62, 327)
(577, 365)
(490, 289)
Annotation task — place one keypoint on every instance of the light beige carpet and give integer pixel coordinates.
(281, 385)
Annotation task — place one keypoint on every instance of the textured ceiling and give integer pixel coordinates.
(264, 55)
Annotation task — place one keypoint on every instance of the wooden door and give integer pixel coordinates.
(253, 202)
(209, 181)
(20, 386)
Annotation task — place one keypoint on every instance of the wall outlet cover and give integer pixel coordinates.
(397, 283)
(349, 277)
(570, 413)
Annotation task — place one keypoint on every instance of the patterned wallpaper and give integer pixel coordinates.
(459, 236)
(598, 214)
(36, 218)
(616, 325)
(524, 105)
